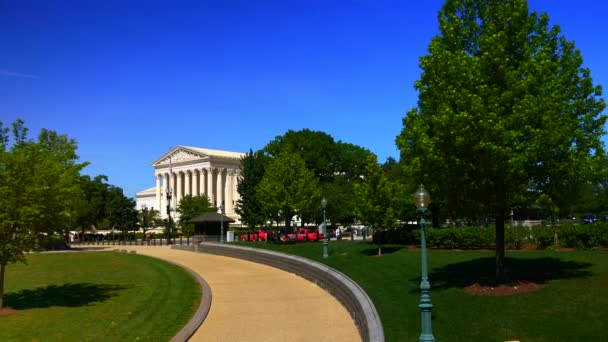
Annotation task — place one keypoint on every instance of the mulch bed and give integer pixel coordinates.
(502, 290)
(7, 311)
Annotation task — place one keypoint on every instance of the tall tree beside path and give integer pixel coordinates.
(506, 112)
(38, 182)
(288, 187)
(248, 207)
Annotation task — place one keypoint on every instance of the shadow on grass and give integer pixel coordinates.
(71, 295)
(385, 250)
(482, 271)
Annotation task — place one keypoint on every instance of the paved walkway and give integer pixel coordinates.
(255, 302)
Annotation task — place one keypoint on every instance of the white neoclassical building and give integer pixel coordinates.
(195, 171)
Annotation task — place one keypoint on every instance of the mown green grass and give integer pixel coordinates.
(573, 305)
(99, 296)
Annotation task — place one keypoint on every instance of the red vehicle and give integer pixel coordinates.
(303, 234)
(257, 235)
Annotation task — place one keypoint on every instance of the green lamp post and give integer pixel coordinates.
(222, 222)
(422, 200)
(325, 236)
(169, 193)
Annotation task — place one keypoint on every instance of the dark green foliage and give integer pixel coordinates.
(190, 207)
(336, 165)
(248, 206)
(506, 113)
(38, 185)
(101, 205)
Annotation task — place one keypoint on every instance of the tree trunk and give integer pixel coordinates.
(500, 247)
(2, 267)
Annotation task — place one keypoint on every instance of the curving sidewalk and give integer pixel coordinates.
(255, 302)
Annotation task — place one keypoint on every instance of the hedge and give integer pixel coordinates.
(516, 237)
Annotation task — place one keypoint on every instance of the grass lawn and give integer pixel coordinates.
(96, 296)
(573, 305)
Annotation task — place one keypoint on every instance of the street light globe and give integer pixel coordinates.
(324, 202)
(422, 198)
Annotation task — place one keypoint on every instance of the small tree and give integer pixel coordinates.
(287, 187)
(378, 199)
(190, 207)
(38, 183)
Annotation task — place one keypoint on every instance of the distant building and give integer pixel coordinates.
(194, 171)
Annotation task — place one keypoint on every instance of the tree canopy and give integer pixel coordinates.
(38, 183)
(506, 113)
(288, 188)
(248, 206)
(190, 207)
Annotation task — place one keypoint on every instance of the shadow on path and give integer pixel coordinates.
(482, 271)
(71, 295)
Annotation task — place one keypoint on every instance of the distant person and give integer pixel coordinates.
(338, 234)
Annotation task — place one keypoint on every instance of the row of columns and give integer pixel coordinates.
(218, 184)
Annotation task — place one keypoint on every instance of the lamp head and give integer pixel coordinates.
(324, 202)
(422, 198)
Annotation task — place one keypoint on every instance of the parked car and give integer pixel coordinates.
(303, 234)
(261, 235)
(589, 218)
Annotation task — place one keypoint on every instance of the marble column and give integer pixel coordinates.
(202, 183)
(158, 192)
(210, 193)
(195, 174)
(188, 175)
(229, 191)
(179, 193)
(220, 188)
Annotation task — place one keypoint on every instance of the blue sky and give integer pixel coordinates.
(131, 79)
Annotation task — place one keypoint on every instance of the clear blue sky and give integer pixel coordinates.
(130, 79)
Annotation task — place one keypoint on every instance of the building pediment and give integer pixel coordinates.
(179, 155)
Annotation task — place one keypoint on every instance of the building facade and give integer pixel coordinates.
(194, 171)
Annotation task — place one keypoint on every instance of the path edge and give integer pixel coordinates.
(203, 307)
(345, 290)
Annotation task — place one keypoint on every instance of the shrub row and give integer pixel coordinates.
(568, 235)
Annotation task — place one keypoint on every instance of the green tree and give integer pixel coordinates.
(337, 165)
(148, 218)
(252, 171)
(190, 207)
(506, 112)
(288, 188)
(38, 182)
(379, 200)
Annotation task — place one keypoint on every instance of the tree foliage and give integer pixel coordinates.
(506, 112)
(336, 164)
(148, 218)
(252, 171)
(288, 188)
(190, 207)
(379, 201)
(100, 205)
(38, 182)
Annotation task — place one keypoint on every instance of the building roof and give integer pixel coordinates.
(147, 192)
(216, 153)
(211, 217)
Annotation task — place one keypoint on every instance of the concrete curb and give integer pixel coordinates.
(344, 289)
(203, 308)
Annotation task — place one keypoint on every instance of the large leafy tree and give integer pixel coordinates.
(148, 218)
(337, 165)
(38, 183)
(506, 113)
(288, 188)
(248, 207)
(190, 207)
(380, 201)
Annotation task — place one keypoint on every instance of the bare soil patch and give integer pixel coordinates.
(7, 311)
(504, 289)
